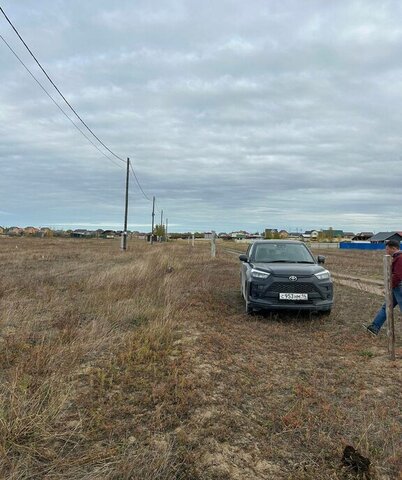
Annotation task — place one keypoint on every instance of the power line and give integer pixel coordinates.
(54, 101)
(55, 86)
(68, 103)
(157, 209)
(139, 185)
(70, 119)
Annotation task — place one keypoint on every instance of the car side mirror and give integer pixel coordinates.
(321, 259)
(243, 258)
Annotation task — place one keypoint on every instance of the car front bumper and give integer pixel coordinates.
(265, 294)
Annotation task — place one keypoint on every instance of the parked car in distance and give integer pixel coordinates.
(284, 275)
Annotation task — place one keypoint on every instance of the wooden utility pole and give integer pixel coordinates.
(153, 220)
(213, 245)
(161, 225)
(123, 245)
(389, 303)
(166, 230)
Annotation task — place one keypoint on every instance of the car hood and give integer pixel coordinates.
(301, 269)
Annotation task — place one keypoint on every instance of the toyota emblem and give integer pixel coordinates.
(293, 278)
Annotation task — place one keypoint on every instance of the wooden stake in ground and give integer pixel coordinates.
(213, 245)
(389, 302)
(192, 242)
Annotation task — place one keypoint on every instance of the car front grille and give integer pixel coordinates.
(294, 287)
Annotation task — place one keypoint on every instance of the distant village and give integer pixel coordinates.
(328, 235)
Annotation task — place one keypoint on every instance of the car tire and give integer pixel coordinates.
(325, 313)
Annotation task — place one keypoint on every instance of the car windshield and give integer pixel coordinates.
(282, 253)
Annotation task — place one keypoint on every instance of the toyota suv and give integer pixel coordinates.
(284, 275)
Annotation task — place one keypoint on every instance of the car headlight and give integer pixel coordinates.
(259, 274)
(324, 275)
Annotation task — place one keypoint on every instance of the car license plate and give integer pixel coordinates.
(293, 296)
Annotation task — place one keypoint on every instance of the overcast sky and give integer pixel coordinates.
(235, 114)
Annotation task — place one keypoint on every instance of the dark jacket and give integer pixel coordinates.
(396, 269)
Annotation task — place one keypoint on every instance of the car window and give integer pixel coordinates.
(285, 252)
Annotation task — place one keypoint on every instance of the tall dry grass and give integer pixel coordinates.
(86, 340)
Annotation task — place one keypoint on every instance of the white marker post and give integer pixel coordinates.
(389, 303)
(213, 245)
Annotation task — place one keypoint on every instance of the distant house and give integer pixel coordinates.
(283, 234)
(31, 230)
(14, 231)
(307, 236)
(60, 233)
(348, 235)
(294, 235)
(208, 235)
(224, 236)
(362, 236)
(271, 233)
(81, 233)
(311, 234)
(331, 233)
(382, 237)
(45, 232)
(1, 231)
(108, 234)
(154, 237)
(241, 234)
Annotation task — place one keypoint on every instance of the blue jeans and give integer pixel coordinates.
(381, 316)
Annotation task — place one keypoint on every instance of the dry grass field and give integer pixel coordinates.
(143, 366)
(365, 264)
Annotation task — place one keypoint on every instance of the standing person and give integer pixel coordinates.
(392, 248)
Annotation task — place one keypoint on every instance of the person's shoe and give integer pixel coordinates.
(371, 330)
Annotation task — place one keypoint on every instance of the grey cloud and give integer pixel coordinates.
(234, 113)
